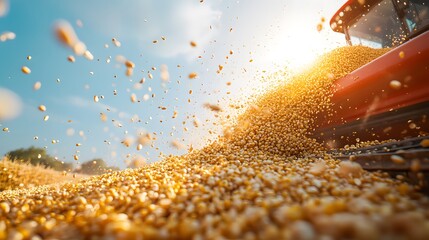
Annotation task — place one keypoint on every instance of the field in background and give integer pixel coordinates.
(20, 175)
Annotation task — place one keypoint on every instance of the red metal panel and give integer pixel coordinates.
(366, 91)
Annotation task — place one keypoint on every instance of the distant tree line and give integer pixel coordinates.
(38, 156)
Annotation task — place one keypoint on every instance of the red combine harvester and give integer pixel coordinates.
(387, 98)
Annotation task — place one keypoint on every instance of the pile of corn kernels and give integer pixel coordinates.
(262, 180)
(14, 175)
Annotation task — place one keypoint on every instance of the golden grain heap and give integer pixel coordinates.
(21, 175)
(261, 181)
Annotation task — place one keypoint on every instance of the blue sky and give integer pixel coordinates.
(263, 37)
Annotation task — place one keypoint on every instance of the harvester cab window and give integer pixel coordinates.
(383, 23)
(416, 15)
(379, 27)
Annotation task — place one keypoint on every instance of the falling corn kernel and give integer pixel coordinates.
(88, 55)
(5, 129)
(129, 64)
(401, 54)
(397, 159)
(165, 76)
(213, 107)
(349, 169)
(177, 144)
(46, 118)
(133, 98)
(4, 7)
(127, 142)
(193, 75)
(79, 49)
(37, 86)
(220, 67)
(424, 143)
(103, 117)
(395, 84)
(26, 70)
(75, 157)
(319, 27)
(116, 42)
(139, 147)
(96, 99)
(193, 44)
(415, 165)
(5, 36)
(196, 122)
(71, 58)
(28, 57)
(42, 108)
(129, 72)
(67, 36)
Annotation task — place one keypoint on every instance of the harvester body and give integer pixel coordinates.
(387, 98)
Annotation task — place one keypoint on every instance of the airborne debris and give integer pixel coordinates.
(425, 143)
(103, 117)
(37, 86)
(319, 27)
(177, 144)
(397, 159)
(88, 55)
(42, 108)
(71, 59)
(193, 75)
(133, 98)
(213, 107)
(165, 76)
(4, 7)
(129, 64)
(5, 36)
(26, 70)
(67, 36)
(116, 42)
(395, 84)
